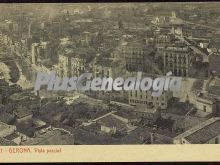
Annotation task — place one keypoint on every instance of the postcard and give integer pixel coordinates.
(109, 81)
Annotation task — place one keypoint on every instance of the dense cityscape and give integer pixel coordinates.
(110, 40)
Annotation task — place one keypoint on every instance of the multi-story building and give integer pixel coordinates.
(40, 52)
(177, 58)
(164, 39)
(65, 65)
(78, 65)
(206, 104)
(34, 52)
(109, 67)
(135, 55)
(73, 62)
(138, 97)
(103, 68)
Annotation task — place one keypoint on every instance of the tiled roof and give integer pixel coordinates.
(137, 136)
(204, 134)
(4, 142)
(111, 121)
(145, 109)
(6, 117)
(12, 136)
(22, 112)
(84, 137)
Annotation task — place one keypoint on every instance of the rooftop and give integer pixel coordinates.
(84, 137)
(22, 112)
(12, 136)
(176, 21)
(6, 117)
(137, 136)
(5, 142)
(203, 132)
(178, 48)
(4, 126)
(23, 96)
(112, 121)
(145, 109)
(55, 137)
(215, 43)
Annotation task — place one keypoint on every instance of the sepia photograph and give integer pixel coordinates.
(109, 74)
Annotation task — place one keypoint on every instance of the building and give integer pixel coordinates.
(207, 132)
(22, 114)
(6, 25)
(72, 64)
(148, 114)
(5, 142)
(6, 117)
(73, 61)
(64, 65)
(136, 56)
(25, 99)
(160, 20)
(162, 40)
(7, 90)
(177, 58)
(78, 63)
(34, 52)
(206, 104)
(104, 68)
(40, 52)
(112, 124)
(83, 137)
(109, 67)
(15, 137)
(214, 61)
(213, 46)
(6, 129)
(138, 97)
(51, 137)
(177, 26)
(214, 89)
